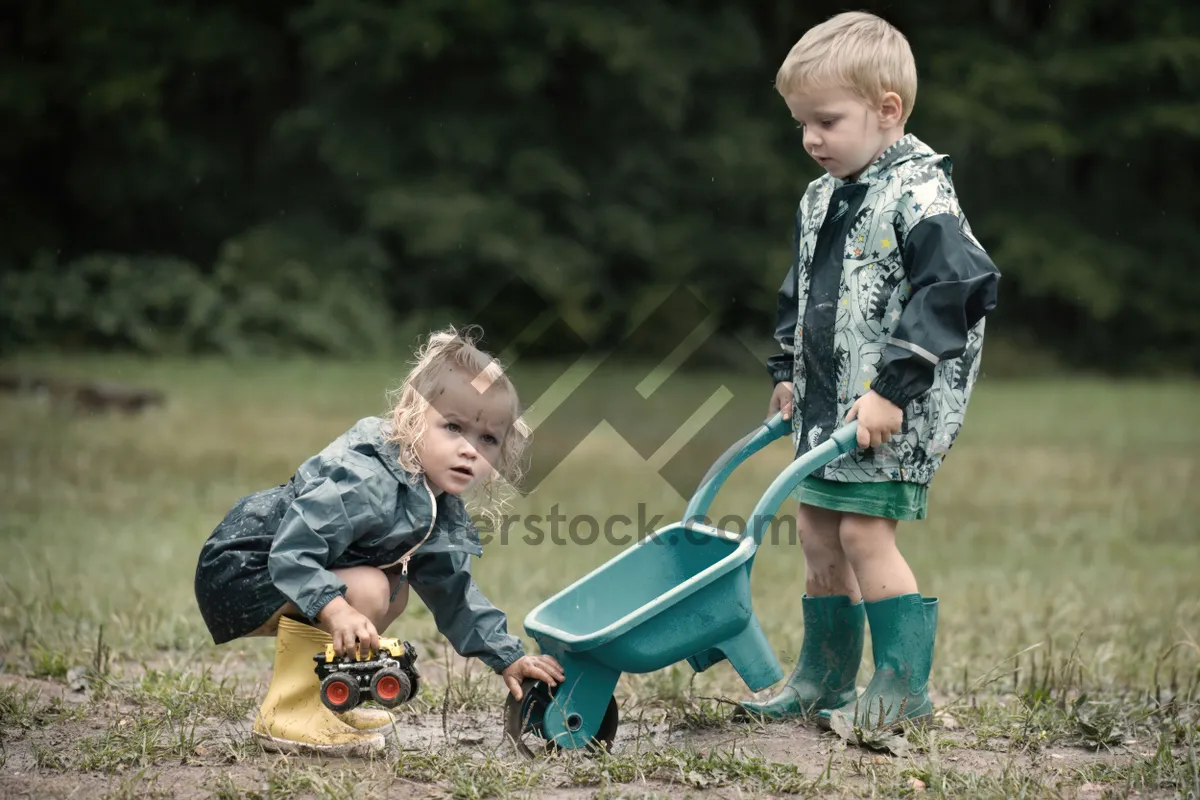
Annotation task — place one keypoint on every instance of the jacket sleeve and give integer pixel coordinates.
(474, 627)
(954, 285)
(781, 365)
(340, 502)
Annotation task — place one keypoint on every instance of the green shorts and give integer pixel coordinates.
(890, 499)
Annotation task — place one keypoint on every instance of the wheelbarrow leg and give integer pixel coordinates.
(578, 708)
(749, 653)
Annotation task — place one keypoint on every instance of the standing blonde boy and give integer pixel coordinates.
(880, 319)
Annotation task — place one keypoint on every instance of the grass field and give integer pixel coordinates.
(1062, 542)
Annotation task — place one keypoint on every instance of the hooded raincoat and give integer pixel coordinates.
(352, 504)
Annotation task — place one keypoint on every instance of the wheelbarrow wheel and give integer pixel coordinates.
(525, 717)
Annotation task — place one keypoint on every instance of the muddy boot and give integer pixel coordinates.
(292, 718)
(828, 664)
(903, 632)
(368, 719)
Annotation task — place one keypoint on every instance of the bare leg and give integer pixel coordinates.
(870, 545)
(368, 591)
(827, 569)
(396, 608)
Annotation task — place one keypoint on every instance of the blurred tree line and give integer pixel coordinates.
(316, 175)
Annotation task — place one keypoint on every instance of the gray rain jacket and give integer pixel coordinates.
(351, 504)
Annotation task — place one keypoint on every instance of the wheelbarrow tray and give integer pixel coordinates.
(676, 593)
(682, 593)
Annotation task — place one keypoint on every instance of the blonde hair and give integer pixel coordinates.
(443, 351)
(857, 51)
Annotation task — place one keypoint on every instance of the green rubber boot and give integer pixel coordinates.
(903, 633)
(834, 630)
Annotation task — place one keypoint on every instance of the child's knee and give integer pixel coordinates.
(818, 528)
(369, 591)
(863, 537)
(821, 548)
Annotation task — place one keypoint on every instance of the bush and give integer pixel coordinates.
(272, 291)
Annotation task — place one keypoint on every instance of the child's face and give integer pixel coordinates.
(841, 132)
(465, 429)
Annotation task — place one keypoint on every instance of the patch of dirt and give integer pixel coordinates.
(42, 759)
(46, 690)
(810, 748)
(16, 784)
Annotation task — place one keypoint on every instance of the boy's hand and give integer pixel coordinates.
(781, 400)
(543, 668)
(878, 419)
(345, 624)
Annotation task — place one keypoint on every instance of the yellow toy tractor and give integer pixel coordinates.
(389, 676)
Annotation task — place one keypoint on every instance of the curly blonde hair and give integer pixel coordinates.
(442, 351)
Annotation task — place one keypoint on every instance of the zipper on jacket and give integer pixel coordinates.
(432, 521)
(403, 560)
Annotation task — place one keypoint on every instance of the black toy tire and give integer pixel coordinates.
(390, 687)
(414, 682)
(345, 693)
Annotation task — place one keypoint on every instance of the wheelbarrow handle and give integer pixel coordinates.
(768, 431)
(840, 442)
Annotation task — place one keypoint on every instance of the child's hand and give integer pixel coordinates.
(878, 419)
(781, 400)
(543, 668)
(345, 624)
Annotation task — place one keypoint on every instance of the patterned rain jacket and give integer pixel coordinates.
(888, 291)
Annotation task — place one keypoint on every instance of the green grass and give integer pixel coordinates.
(22, 709)
(184, 694)
(1061, 541)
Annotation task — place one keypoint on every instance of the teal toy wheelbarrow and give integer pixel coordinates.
(682, 593)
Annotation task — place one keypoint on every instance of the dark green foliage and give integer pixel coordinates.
(272, 290)
(368, 162)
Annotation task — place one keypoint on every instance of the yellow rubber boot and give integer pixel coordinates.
(292, 718)
(368, 719)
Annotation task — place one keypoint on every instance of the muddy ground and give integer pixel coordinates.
(112, 738)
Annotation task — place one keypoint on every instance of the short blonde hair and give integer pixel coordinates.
(857, 51)
(443, 351)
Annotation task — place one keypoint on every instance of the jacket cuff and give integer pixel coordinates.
(780, 367)
(324, 599)
(893, 391)
(504, 659)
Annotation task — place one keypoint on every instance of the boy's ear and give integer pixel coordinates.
(891, 110)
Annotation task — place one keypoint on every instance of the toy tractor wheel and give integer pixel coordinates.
(390, 687)
(526, 717)
(339, 692)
